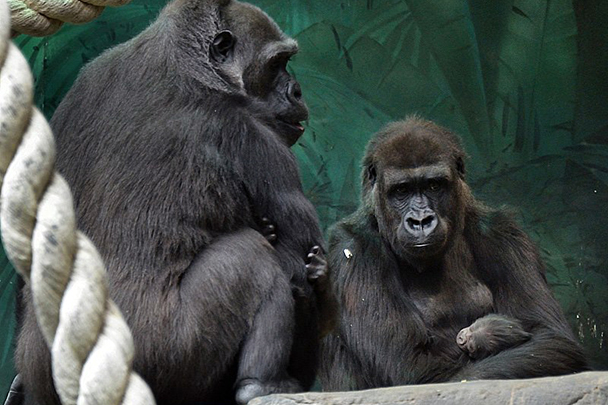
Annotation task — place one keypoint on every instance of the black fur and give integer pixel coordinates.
(405, 290)
(176, 145)
(491, 334)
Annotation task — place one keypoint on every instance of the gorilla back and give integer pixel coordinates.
(176, 145)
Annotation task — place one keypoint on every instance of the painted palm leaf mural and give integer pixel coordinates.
(522, 81)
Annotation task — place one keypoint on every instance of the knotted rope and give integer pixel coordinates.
(44, 17)
(91, 345)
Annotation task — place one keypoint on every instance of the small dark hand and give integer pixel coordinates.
(316, 269)
(268, 230)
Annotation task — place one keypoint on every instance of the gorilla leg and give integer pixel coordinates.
(33, 358)
(249, 307)
(265, 356)
(15, 392)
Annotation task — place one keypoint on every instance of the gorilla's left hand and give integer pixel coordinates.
(316, 269)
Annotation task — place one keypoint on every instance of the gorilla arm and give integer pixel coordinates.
(318, 273)
(521, 291)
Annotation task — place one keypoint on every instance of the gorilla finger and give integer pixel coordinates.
(314, 261)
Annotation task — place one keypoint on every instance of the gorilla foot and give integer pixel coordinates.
(15, 393)
(250, 388)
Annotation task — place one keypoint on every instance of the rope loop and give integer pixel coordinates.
(44, 17)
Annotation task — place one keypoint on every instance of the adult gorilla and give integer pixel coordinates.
(420, 260)
(176, 146)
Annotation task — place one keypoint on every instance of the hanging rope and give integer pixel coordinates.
(44, 17)
(91, 345)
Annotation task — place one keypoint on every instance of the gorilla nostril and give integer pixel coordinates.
(428, 221)
(413, 224)
(418, 224)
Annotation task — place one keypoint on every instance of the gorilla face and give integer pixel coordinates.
(414, 183)
(254, 53)
(414, 206)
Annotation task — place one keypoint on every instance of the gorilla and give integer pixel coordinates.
(421, 259)
(177, 147)
(491, 334)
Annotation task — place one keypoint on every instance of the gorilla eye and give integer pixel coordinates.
(435, 184)
(401, 190)
(278, 62)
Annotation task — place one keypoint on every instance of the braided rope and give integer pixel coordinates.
(44, 17)
(91, 345)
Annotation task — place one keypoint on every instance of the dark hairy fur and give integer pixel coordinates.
(405, 294)
(491, 334)
(175, 148)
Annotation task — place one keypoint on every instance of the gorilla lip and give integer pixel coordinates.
(421, 245)
(295, 125)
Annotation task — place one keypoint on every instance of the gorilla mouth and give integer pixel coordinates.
(295, 126)
(423, 249)
(422, 245)
(290, 131)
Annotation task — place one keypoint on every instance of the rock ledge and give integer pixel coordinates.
(577, 389)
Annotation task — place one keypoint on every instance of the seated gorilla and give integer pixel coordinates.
(490, 335)
(420, 260)
(176, 146)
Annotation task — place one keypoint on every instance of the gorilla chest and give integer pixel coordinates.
(450, 302)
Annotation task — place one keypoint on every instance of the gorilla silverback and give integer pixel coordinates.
(176, 146)
(420, 260)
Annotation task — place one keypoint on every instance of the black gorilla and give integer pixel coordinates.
(491, 334)
(176, 145)
(420, 260)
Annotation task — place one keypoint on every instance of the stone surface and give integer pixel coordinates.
(589, 388)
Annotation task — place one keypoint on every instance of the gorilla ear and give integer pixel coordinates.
(371, 174)
(222, 46)
(460, 166)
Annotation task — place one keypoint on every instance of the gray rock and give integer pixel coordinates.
(580, 389)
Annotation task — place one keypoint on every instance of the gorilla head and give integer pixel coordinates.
(413, 180)
(253, 52)
(240, 50)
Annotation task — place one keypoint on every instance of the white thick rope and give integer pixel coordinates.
(44, 17)
(91, 345)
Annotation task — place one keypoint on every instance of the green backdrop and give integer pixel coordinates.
(524, 82)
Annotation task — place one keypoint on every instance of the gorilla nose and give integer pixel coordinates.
(420, 224)
(294, 91)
